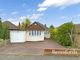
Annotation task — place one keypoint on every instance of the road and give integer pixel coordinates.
(36, 57)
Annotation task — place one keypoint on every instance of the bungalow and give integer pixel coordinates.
(34, 32)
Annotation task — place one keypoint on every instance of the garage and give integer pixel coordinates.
(17, 36)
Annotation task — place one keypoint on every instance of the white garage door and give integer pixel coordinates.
(17, 36)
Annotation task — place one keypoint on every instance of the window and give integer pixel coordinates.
(39, 32)
(35, 33)
(30, 33)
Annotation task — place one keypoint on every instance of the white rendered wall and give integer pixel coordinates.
(17, 36)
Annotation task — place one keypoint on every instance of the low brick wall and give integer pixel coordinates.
(63, 52)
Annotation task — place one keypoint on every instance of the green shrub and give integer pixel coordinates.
(4, 32)
(63, 34)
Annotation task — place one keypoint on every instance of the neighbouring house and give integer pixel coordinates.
(77, 35)
(34, 32)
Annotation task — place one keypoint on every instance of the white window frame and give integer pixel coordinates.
(34, 33)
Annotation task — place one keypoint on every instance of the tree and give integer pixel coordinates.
(0, 23)
(19, 25)
(53, 33)
(22, 25)
(51, 27)
(27, 22)
(5, 32)
(1, 31)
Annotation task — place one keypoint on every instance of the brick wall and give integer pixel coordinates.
(68, 52)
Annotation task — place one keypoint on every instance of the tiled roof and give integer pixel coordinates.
(10, 25)
(33, 26)
(37, 26)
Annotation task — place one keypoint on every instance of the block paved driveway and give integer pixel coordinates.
(29, 47)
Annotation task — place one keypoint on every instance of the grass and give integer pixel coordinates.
(2, 42)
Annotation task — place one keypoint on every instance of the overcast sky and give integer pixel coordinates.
(48, 12)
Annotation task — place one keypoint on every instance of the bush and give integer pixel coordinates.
(64, 39)
(63, 34)
(53, 33)
(4, 32)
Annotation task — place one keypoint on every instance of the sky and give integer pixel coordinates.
(49, 12)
